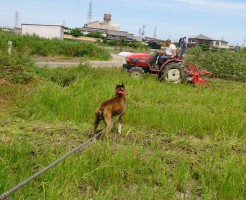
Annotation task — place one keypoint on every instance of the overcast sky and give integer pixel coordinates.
(174, 18)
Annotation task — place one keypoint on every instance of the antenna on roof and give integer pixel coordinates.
(90, 12)
(16, 19)
(155, 33)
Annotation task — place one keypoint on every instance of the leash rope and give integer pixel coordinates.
(21, 184)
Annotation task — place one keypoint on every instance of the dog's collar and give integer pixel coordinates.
(121, 92)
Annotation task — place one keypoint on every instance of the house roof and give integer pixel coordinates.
(93, 29)
(117, 33)
(41, 25)
(202, 37)
(92, 22)
(221, 41)
(137, 38)
(150, 39)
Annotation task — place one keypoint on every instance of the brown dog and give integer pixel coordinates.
(110, 108)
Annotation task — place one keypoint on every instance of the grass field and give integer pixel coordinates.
(178, 141)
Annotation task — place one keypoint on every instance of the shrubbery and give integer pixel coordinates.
(34, 45)
(225, 64)
(95, 35)
(76, 32)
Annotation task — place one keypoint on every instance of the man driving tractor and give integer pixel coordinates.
(170, 52)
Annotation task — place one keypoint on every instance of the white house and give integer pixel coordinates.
(220, 44)
(45, 31)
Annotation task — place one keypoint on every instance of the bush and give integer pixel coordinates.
(113, 42)
(34, 45)
(76, 32)
(122, 42)
(16, 68)
(136, 44)
(225, 64)
(95, 35)
(244, 50)
(204, 47)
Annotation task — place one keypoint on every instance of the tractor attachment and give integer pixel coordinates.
(195, 75)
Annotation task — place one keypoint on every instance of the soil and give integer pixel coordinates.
(116, 61)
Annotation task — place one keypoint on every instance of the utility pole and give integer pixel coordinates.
(16, 19)
(155, 33)
(90, 12)
(143, 30)
(139, 32)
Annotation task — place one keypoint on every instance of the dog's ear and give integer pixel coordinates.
(117, 86)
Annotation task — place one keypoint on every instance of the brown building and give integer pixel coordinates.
(200, 39)
(101, 26)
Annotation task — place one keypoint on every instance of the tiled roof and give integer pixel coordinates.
(117, 33)
(202, 37)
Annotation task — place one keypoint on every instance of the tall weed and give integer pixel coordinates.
(35, 45)
(225, 64)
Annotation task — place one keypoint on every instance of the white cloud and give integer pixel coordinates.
(221, 7)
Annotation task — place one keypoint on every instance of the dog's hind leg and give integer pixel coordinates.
(108, 123)
(96, 122)
(120, 124)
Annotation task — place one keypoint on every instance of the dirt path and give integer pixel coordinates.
(116, 61)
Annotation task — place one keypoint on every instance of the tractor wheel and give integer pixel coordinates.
(137, 72)
(173, 73)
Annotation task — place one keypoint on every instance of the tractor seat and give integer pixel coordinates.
(153, 57)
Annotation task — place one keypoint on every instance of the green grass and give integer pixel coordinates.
(34, 45)
(178, 141)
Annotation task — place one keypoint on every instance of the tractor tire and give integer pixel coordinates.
(137, 72)
(173, 73)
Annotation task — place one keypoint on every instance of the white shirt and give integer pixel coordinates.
(169, 50)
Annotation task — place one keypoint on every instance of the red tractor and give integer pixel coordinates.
(172, 70)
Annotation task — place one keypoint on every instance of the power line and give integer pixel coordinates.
(16, 19)
(90, 12)
(139, 32)
(143, 30)
(155, 32)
